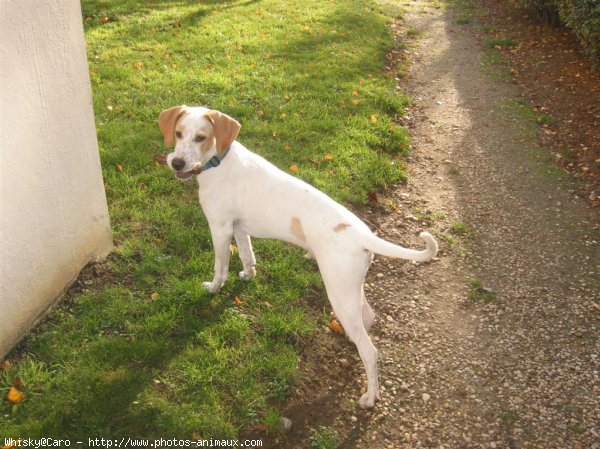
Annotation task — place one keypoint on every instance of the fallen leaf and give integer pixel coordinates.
(154, 296)
(597, 306)
(287, 147)
(160, 158)
(259, 427)
(328, 157)
(374, 119)
(119, 168)
(260, 113)
(294, 168)
(138, 65)
(355, 93)
(196, 436)
(233, 249)
(335, 327)
(14, 395)
(17, 382)
(312, 161)
(238, 301)
(5, 364)
(104, 19)
(373, 197)
(355, 102)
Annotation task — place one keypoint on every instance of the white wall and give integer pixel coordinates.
(53, 213)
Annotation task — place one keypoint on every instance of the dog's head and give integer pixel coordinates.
(198, 133)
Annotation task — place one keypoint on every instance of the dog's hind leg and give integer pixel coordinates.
(343, 275)
(368, 316)
(246, 254)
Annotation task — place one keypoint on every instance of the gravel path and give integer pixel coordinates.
(496, 344)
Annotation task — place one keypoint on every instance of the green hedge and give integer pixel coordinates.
(582, 17)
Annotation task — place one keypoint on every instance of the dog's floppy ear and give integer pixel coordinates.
(225, 128)
(167, 121)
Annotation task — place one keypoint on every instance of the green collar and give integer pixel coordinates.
(215, 161)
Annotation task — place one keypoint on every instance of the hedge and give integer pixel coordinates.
(582, 17)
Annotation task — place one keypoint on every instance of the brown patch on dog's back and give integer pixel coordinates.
(296, 229)
(340, 227)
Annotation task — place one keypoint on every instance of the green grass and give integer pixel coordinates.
(144, 350)
(457, 227)
(324, 438)
(493, 42)
(508, 416)
(466, 11)
(479, 292)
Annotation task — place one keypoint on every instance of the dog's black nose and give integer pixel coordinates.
(177, 163)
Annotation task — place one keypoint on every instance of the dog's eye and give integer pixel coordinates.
(199, 138)
(178, 135)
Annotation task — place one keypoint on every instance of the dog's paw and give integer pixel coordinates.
(367, 401)
(247, 275)
(211, 287)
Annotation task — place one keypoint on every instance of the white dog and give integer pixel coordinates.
(243, 195)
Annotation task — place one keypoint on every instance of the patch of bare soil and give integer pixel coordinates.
(495, 343)
(558, 81)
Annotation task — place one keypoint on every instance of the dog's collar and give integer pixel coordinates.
(214, 161)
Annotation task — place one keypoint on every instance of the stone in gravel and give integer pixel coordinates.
(426, 397)
(344, 363)
(286, 423)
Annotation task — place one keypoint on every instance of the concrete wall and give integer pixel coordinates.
(53, 212)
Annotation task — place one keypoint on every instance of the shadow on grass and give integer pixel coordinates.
(101, 12)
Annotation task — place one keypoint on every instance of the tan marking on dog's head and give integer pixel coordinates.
(296, 229)
(340, 227)
(225, 130)
(167, 120)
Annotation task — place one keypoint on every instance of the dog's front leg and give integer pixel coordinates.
(221, 238)
(246, 255)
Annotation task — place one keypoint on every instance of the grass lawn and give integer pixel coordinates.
(143, 350)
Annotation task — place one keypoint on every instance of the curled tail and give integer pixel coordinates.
(380, 246)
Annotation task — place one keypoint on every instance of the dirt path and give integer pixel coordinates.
(497, 343)
(510, 360)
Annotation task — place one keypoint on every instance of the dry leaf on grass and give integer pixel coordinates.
(335, 327)
(14, 396)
